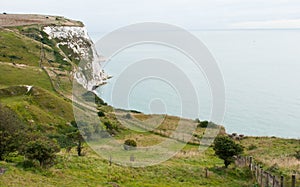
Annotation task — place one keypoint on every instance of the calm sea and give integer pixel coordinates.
(261, 71)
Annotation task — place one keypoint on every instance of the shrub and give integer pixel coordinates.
(11, 131)
(203, 124)
(252, 147)
(101, 114)
(42, 150)
(129, 144)
(274, 168)
(297, 154)
(128, 116)
(206, 124)
(111, 128)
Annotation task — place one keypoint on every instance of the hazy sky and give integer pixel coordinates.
(105, 15)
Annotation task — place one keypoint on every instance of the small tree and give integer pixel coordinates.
(77, 140)
(42, 150)
(225, 148)
(297, 154)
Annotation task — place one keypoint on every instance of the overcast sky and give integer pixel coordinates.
(106, 15)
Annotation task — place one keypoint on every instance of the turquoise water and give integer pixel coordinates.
(261, 70)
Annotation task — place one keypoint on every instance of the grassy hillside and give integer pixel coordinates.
(11, 75)
(37, 106)
(17, 48)
(277, 155)
(36, 85)
(91, 170)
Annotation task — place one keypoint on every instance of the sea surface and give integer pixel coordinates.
(261, 72)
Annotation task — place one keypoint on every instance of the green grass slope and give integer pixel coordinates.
(17, 48)
(11, 75)
(37, 106)
(92, 170)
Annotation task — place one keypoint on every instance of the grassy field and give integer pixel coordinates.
(275, 154)
(38, 106)
(13, 75)
(92, 170)
(16, 48)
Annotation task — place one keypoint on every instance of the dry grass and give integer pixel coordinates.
(274, 152)
(10, 20)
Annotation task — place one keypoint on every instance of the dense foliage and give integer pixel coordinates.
(11, 131)
(130, 144)
(225, 148)
(41, 149)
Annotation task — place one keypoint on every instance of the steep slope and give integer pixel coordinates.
(35, 105)
(43, 52)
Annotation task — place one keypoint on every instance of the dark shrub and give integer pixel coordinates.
(42, 150)
(128, 116)
(129, 144)
(252, 147)
(101, 114)
(203, 124)
(297, 154)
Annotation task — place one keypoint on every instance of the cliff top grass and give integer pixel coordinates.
(12, 20)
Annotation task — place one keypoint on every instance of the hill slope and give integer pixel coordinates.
(36, 75)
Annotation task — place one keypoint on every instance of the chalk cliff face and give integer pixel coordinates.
(76, 43)
(74, 38)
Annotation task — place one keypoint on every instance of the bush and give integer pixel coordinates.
(128, 116)
(101, 114)
(11, 131)
(252, 147)
(130, 144)
(42, 150)
(297, 154)
(203, 124)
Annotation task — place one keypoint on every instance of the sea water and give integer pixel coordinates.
(261, 72)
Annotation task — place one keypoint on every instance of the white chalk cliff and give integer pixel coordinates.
(89, 72)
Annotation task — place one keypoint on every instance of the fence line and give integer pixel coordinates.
(264, 178)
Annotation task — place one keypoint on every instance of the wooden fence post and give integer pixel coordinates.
(132, 158)
(281, 181)
(257, 172)
(293, 180)
(267, 179)
(206, 172)
(261, 177)
(250, 165)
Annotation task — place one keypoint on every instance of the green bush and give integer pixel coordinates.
(11, 131)
(42, 150)
(297, 154)
(101, 114)
(252, 147)
(203, 124)
(130, 144)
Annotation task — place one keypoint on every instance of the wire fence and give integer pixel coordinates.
(265, 178)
